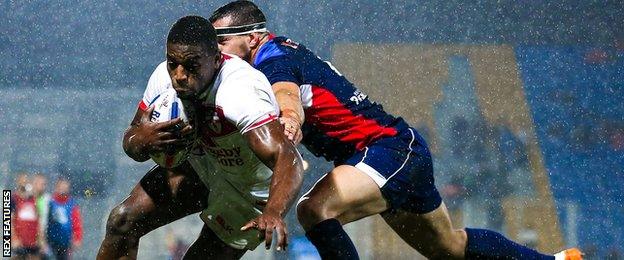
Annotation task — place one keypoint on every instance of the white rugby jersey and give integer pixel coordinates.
(240, 99)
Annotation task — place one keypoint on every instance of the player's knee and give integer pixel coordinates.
(121, 221)
(310, 212)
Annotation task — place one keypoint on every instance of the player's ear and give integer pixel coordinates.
(254, 40)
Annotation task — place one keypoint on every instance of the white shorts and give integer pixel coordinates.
(229, 209)
(227, 212)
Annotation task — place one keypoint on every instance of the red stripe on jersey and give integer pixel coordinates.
(335, 120)
(142, 106)
(263, 121)
(225, 57)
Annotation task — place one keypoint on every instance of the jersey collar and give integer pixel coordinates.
(267, 50)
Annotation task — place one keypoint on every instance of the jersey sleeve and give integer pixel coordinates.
(280, 68)
(158, 82)
(248, 102)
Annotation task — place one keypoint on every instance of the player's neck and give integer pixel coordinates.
(254, 52)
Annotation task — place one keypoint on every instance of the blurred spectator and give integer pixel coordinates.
(64, 231)
(42, 198)
(25, 220)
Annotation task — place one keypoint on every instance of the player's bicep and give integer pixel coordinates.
(267, 141)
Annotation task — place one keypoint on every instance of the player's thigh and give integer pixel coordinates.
(209, 246)
(432, 234)
(393, 172)
(346, 193)
(179, 188)
(189, 193)
(162, 196)
(402, 167)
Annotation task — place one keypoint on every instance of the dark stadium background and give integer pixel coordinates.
(73, 72)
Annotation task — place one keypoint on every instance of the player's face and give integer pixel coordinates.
(237, 45)
(190, 68)
(62, 187)
(39, 184)
(22, 181)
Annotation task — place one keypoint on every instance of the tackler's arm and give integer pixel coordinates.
(288, 97)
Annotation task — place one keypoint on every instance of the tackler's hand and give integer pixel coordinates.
(266, 224)
(292, 128)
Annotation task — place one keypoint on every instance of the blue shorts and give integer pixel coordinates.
(403, 169)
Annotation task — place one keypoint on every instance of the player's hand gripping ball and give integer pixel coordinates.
(167, 106)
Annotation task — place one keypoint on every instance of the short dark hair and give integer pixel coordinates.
(193, 30)
(242, 12)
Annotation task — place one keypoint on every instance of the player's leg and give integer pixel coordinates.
(396, 174)
(344, 195)
(418, 215)
(60, 252)
(209, 246)
(161, 197)
(18, 253)
(358, 189)
(32, 253)
(433, 236)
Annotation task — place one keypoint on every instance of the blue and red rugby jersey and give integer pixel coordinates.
(340, 119)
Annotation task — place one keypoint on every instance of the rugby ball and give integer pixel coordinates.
(167, 106)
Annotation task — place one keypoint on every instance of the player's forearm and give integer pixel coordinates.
(270, 145)
(290, 104)
(133, 147)
(286, 181)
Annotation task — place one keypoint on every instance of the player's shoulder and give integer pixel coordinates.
(237, 73)
(160, 77)
(239, 84)
(286, 43)
(160, 73)
(278, 49)
(158, 82)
